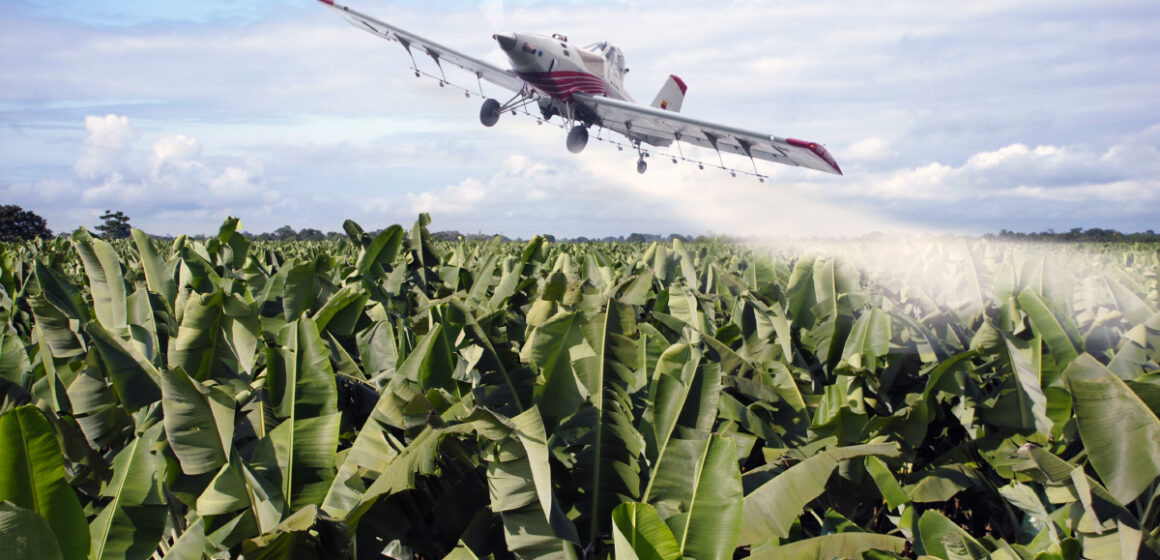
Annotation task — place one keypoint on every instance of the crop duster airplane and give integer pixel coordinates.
(585, 87)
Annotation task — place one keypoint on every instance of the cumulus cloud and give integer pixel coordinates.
(873, 148)
(172, 178)
(102, 151)
(1077, 173)
(451, 200)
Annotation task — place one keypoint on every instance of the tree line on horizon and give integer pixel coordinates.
(18, 224)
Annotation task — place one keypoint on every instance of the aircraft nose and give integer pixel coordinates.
(506, 40)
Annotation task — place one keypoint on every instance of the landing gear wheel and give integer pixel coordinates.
(489, 113)
(641, 166)
(577, 139)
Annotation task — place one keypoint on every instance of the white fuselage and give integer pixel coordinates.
(557, 68)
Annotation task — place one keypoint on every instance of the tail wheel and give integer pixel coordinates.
(489, 113)
(577, 139)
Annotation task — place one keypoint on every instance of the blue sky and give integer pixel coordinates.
(1024, 115)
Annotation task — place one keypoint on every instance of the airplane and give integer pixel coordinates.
(584, 86)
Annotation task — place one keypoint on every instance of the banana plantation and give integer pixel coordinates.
(389, 396)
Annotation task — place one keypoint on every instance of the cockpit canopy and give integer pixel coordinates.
(611, 61)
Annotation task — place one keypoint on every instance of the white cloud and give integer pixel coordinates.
(101, 153)
(178, 147)
(453, 199)
(173, 179)
(873, 148)
(1077, 173)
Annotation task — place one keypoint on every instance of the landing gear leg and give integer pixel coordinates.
(577, 139)
(641, 165)
(491, 110)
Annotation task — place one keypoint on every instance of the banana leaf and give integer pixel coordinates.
(604, 446)
(130, 525)
(25, 534)
(770, 510)
(303, 392)
(106, 281)
(158, 274)
(199, 422)
(135, 379)
(32, 478)
(1119, 431)
(696, 490)
(639, 534)
(838, 545)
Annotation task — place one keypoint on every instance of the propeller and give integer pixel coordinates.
(495, 15)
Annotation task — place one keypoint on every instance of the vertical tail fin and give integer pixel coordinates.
(671, 95)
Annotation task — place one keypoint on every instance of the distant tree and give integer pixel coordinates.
(446, 236)
(285, 233)
(18, 224)
(310, 234)
(114, 225)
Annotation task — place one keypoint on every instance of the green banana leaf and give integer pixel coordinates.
(158, 274)
(217, 336)
(940, 537)
(520, 489)
(639, 534)
(607, 447)
(25, 534)
(1119, 431)
(827, 547)
(696, 490)
(888, 485)
(770, 510)
(130, 525)
(670, 388)
(237, 489)
(303, 392)
(1061, 336)
(199, 422)
(106, 281)
(382, 251)
(32, 477)
(869, 340)
(135, 379)
(547, 350)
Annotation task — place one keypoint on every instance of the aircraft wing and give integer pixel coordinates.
(660, 128)
(416, 44)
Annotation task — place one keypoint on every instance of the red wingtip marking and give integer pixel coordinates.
(680, 83)
(331, 2)
(817, 149)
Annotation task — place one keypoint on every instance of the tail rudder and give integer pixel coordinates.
(671, 95)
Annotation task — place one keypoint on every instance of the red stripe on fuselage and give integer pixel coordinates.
(562, 84)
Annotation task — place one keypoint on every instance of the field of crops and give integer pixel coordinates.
(391, 396)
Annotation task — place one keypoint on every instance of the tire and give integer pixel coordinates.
(489, 113)
(641, 166)
(577, 139)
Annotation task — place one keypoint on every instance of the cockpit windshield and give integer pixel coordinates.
(612, 55)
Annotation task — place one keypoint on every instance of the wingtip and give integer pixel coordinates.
(331, 2)
(818, 150)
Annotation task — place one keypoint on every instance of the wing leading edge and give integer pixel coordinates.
(415, 43)
(661, 128)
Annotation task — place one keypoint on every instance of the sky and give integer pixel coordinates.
(967, 118)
